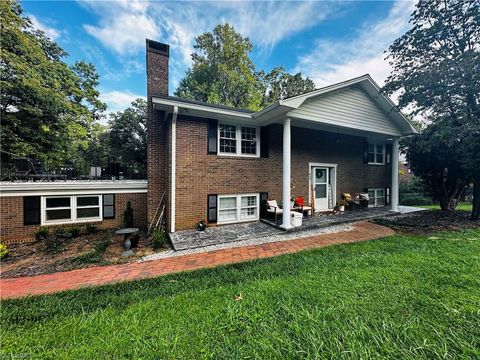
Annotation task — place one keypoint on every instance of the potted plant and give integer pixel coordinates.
(341, 205)
(201, 225)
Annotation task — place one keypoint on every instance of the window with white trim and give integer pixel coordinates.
(376, 197)
(236, 208)
(238, 140)
(376, 154)
(71, 209)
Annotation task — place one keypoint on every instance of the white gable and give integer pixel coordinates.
(351, 108)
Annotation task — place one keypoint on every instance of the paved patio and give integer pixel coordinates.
(191, 239)
(101, 275)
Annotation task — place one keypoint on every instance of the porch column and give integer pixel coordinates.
(394, 194)
(286, 224)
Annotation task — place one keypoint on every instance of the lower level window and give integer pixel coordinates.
(376, 197)
(70, 209)
(235, 208)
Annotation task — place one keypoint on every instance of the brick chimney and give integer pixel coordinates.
(157, 139)
(157, 68)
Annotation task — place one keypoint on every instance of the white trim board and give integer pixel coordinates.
(72, 188)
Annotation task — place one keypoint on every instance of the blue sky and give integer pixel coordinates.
(329, 41)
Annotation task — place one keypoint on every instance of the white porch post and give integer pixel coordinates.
(394, 194)
(174, 165)
(286, 175)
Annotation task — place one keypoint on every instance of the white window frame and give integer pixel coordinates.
(238, 138)
(375, 197)
(73, 210)
(239, 208)
(384, 153)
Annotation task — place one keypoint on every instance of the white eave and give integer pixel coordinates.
(38, 188)
(278, 110)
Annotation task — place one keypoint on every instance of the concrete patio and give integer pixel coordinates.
(191, 239)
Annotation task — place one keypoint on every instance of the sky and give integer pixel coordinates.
(329, 41)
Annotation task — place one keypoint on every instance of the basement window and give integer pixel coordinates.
(237, 208)
(376, 197)
(71, 209)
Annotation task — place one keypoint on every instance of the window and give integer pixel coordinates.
(376, 197)
(228, 139)
(236, 208)
(70, 209)
(238, 140)
(376, 154)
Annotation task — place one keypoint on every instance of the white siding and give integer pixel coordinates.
(351, 108)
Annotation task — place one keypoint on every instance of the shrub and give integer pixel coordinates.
(90, 229)
(53, 244)
(3, 251)
(415, 199)
(158, 239)
(127, 217)
(102, 245)
(41, 233)
(74, 230)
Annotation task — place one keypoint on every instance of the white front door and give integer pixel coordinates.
(320, 186)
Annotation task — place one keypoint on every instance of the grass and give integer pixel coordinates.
(460, 206)
(401, 297)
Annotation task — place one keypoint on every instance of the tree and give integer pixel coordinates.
(222, 72)
(278, 84)
(47, 106)
(436, 69)
(127, 136)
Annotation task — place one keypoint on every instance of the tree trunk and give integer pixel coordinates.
(476, 199)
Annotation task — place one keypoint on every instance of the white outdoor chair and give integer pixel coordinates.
(273, 208)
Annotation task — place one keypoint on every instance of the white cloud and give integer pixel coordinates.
(336, 60)
(124, 25)
(49, 31)
(118, 100)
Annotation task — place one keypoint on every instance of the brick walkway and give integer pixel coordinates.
(68, 280)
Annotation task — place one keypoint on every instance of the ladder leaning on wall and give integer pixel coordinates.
(158, 219)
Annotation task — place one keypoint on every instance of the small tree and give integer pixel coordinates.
(127, 217)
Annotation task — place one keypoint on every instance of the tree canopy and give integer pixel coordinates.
(436, 69)
(223, 73)
(47, 106)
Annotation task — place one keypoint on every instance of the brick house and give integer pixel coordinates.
(219, 164)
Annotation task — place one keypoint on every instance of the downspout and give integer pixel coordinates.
(173, 164)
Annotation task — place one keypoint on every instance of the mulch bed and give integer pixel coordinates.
(73, 253)
(426, 222)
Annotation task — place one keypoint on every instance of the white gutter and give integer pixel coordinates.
(174, 161)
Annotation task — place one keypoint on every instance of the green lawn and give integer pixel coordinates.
(460, 206)
(401, 297)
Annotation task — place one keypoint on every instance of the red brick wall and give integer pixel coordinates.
(13, 230)
(157, 84)
(199, 174)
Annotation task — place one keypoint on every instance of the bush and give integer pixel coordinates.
(415, 199)
(102, 245)
(90, 229)
(53, 244)
(158, 239)
(74, 230)
(3, 251)
(127, 217)
(41, 233)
